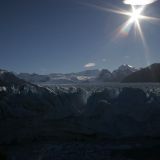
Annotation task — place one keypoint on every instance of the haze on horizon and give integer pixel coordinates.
(46, 36)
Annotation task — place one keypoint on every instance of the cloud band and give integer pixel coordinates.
(89, 65)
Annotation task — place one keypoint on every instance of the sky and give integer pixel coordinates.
(62, 36)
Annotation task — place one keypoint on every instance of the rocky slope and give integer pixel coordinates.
(148, 74)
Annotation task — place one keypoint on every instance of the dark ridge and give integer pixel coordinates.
(148, 74)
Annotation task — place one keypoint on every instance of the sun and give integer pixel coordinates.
(136, 13)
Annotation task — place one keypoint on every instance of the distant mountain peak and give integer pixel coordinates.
(105, 75)
(2, 71)
(126, 67)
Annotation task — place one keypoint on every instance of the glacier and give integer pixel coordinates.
(114, 112)
(111, 117)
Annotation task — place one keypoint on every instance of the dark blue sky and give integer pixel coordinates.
(47, 36)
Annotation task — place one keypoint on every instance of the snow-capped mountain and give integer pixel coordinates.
(148, 74)
(117, 75)
(87, 76)
(33, 77)
(122, 72)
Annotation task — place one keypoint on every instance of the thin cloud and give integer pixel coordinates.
(89, 65)
(138, 2)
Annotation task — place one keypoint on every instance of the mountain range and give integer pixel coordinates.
(124, 73)
(59, 78)
(87, 76)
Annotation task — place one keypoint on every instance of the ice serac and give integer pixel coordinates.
(19, 98)
(128, 112)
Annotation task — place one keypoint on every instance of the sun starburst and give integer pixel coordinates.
(136, 15)
(134, 19)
